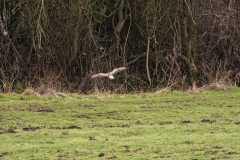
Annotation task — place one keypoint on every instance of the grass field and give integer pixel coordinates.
(172, 125)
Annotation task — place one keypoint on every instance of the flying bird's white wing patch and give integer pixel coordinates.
(100, 75)
(116, 70)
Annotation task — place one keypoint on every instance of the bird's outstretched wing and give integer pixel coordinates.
(99, 75)
(116, 70)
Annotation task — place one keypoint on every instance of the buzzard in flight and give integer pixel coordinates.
(109, 74)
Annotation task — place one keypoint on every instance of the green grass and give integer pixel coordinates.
(172, 125)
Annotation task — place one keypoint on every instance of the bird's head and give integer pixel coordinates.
(111, 77)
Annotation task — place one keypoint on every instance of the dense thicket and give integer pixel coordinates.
(164, 43)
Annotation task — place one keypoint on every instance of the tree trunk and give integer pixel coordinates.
(188, 31)
(77, 33)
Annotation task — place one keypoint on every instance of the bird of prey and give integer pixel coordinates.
(109, 74)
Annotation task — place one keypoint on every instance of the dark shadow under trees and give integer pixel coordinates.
(164, 43)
